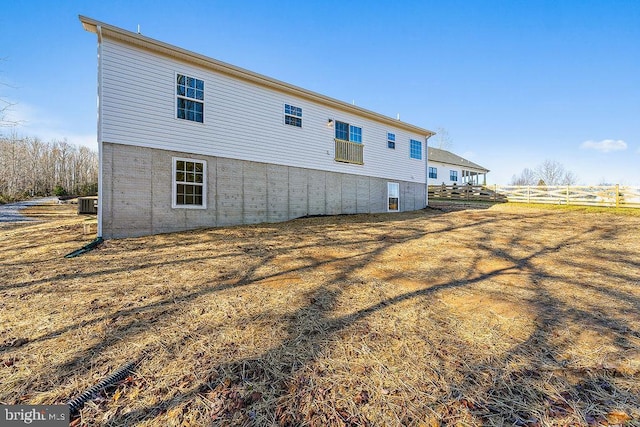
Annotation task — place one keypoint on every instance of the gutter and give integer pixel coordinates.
(426, 169)
(99, 133)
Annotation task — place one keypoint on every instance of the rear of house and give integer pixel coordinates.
(448, 168)
(187, 141)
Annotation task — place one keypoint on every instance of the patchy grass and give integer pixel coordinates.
(585, 209)
(503, 316)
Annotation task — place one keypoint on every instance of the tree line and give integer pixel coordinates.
(549, 172)
(30, 167)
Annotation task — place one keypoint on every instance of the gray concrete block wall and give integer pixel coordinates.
(317, 192)
(255, 192)
(163, 217)
(131, 191)
(349, 191)
(106, 190)
(229, 188)
(137, 192)
(277, 193)
(333, 193)
(363, 197)
(407, 197)
(378, 201)
(298, 192)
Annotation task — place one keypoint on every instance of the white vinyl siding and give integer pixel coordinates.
(242, 120)
(444, 173)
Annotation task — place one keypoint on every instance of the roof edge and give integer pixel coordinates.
(445, 156)
(128, 37)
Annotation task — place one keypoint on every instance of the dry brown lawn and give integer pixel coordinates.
(501, 316)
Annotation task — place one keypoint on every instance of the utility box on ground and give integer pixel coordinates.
(87, 205)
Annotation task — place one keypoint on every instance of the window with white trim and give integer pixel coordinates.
(453, 176)
(415, 149)
(393, 197)
(189, 183)
(292, 115)
(433, 172)
(347, 132)
(190, 98)
(391, 140)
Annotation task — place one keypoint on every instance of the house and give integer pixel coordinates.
(187, 141)
(448, 168)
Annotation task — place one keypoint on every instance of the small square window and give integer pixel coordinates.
(292, 115)
(189, 183)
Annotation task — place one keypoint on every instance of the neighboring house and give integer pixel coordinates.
(448, 168)
(186, 141)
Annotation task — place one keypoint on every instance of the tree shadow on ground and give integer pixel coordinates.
(531, 384)
(530, 378)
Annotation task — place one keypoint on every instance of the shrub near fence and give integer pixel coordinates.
(611, 196)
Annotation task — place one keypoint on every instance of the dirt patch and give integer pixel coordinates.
(498, 316)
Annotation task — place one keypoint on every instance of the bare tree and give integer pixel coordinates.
(554, 173)
(442, 139)
(550, 172)
(5, 106)
(30, 167)
(526, 177)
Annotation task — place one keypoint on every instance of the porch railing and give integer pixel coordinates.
(349, 152)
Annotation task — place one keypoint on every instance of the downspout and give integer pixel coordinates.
(426, 169)
(99, 133)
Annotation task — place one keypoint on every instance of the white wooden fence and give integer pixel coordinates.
(611, 196)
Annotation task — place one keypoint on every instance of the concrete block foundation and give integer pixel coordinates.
(137, 192)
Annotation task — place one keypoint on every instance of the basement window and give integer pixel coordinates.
(393, 196)
(189, 183)
(190, 98)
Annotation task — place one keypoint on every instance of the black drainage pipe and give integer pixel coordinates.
(76, 404)
(86, 248)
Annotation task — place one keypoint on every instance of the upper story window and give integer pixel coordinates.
(347, 132)
(433, 172)
(292, 115)
(391, 140)
(453, 176)
(190, 102)
(415, 149)
(189, 183)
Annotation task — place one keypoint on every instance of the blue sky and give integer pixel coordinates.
(513, 82)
